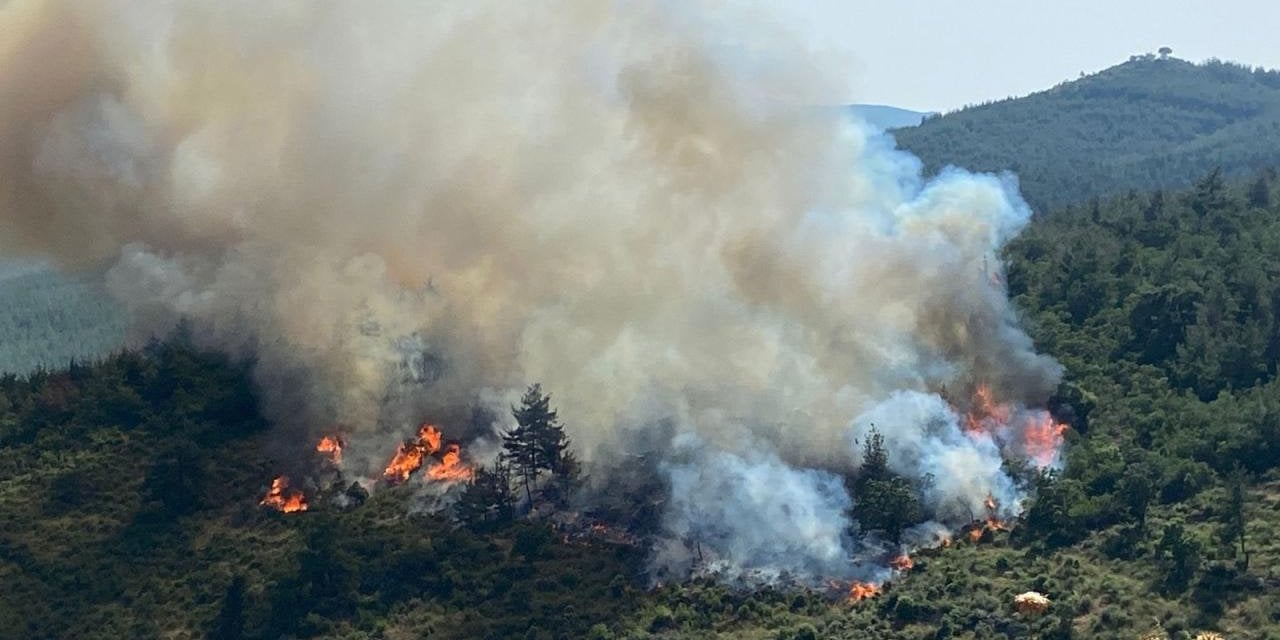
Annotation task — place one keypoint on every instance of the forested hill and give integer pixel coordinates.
(1146, 124)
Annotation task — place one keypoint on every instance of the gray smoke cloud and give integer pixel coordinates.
(407, 210)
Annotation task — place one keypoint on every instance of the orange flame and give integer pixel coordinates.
(992, 523)
(859, 591)
(451, 467)
(281, 498)
(429, 436)
(985, 409)
(902, 563)
(331, 448)
(408, 459)
(1043, 437)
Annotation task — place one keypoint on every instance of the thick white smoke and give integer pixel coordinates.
(402, 209)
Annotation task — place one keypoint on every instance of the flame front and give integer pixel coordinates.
(282, 498)
(451, 468)
(331, 448)
(411, 456)
(902, 563)
(859, 591)
(408, 459)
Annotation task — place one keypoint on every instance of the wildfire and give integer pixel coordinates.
(282, 498)
(985, 409)
(1043, 436)
(408, 459)
(991, 524)
(331, 448)
(859, 591)
(902, 563)
(410, 456)
(429, 436)
(451, 468)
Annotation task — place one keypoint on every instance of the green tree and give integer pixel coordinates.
(888, 506)
(1135, 492)
(538, 442)
(1233, 516)
(229, 625)
(487, 499)
(1260, 193)
(1178, 556)
(875, 460)
(883, 502)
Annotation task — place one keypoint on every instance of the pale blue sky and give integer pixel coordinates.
(942, 54)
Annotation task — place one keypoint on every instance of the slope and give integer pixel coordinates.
(1146, 124)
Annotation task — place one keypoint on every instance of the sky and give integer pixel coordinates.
(939, 55)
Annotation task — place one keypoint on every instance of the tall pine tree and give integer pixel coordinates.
(537, 443)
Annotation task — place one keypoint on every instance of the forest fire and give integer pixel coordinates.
(859, 591)
(1044, 439)
(1042, 435)
(331, 448)
(984, 409)
(990, 525)
(410, 456)
(282, 498)
(902, 563)
(451, 468)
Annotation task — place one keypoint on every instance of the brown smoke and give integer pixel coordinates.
(406, 208)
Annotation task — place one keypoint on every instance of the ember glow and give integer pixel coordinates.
(902, 563)
(282, 498)
(991, 524)
(330, 447)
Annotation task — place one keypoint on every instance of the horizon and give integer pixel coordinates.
(945, 56)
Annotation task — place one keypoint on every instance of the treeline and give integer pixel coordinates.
(1146, 124)
(129, 508)
(1165, 309)
(47, 320)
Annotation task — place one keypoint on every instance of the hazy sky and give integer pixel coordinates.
(942, 54)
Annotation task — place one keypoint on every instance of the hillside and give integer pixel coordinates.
(129, 488)
(1145, 124)
(48, 319)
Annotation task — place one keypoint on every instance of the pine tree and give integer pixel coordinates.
(1260, 193)
(875, 461)
(229, 625)
(538, 442)
(1178, 556)
(1233, 524)
(487, 499)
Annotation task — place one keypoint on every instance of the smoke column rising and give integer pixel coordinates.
(406, 209)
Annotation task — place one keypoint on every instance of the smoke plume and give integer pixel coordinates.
(406, 210)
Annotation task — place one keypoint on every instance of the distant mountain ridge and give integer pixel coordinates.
(887, 117)
(1149, 123)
